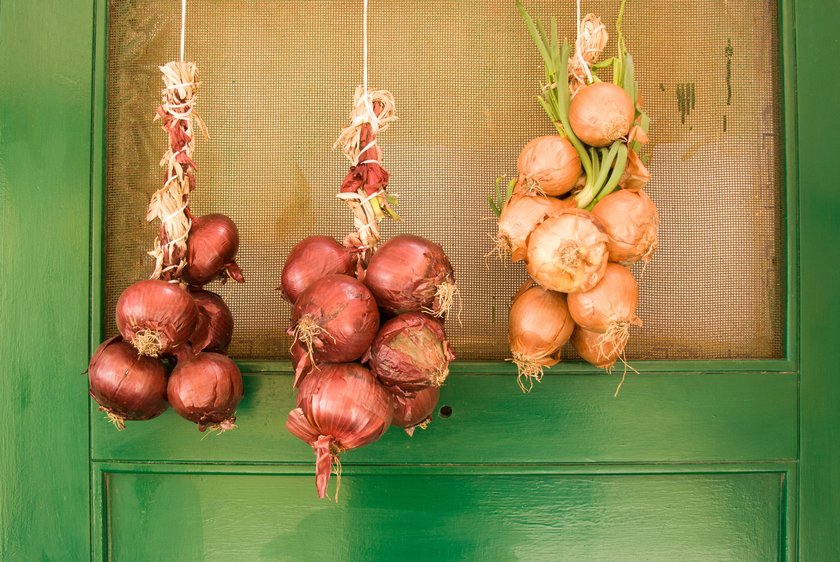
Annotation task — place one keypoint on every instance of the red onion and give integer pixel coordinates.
(411, 353)
(336, 319)
(206, 391)
(301, 362)
(339, 407)
(211, 248)
(156, 317)
(311, 259)
(126, 385)
(416, 411)
(410, 273)
(214, 328)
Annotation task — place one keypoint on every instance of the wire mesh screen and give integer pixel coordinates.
(277, 87)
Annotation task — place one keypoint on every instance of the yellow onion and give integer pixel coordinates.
(539, 324)
(568, 252)
(609, 307)
(521, 214)
(601, 113)
(411, 412)
(631, 221)
(596, 349)
(549, 165)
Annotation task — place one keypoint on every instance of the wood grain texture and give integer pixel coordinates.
(45, 104)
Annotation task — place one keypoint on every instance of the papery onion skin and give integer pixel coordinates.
(631, 221)
(414, 411)
(407, 273)
(206, 390)
(568, 252)
(411, 353)
(613, 299)
(339, 316)
(214, 327)
(601, 113)
(211, 250)
(520, 215)
(594, 348)
(312, 259)
(550, 164)
(539, 324)
(155, 316)
(301, 362)
(126, 385)
(341, 407)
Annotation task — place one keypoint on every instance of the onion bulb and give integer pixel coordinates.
(127, 386)
(521, 214)
(631, 221)
(336, 318)
(549, 165)
(214, 327)
(410, 353)
(597, 349)
(409, 273)
(155, 316)
(211, 249)
(609, 307)
(415, 411)
(568, 252)
(311, 259)
(206, 390)
(601, 113)
(539, 324)
(341, 408)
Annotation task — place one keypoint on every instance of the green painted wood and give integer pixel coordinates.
(445, 514)
(817, 43)
(573, 418)
(45, 116)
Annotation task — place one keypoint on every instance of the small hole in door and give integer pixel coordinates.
(445, 411)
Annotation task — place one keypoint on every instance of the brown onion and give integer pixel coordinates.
(206, 390)
(415, 411)
(610, 306)
(211, 250)
(410, 273)
(155, 316)
(539, 324)
(411, 353)
(601, 113)
(549, 165)
(521, 214)
(127, 386)
(311, 259)
(631, 221)
(596, 349)
(568, 252)
(339, 407)
(214, 327)
(336, 318)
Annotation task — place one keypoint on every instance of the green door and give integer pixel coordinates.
(698, 460)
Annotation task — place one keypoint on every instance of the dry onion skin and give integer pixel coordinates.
(539, 324)
(631, 221)
(597, 350)
(520, 215)
(601, 113)
(411, 412)
(156, 317)
(549, 165)
(568, 252)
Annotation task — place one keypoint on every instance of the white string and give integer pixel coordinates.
(183, 25)
(364, 45)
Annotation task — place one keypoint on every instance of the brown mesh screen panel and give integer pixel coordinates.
(278, 80)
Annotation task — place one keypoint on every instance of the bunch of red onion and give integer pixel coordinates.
(357, 374)
(578, 215)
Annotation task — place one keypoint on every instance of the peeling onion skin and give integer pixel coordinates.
(596, 350)
(539, 324)
(311, 259)
(551, 163)
(568, 252)
(411, 412)
(601, 113)
(126, 384)
(631, 221)
(613, 300)
(206, 390)
(521, 214)
(159, 307)
(214, 327)
(211, 250)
